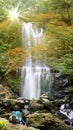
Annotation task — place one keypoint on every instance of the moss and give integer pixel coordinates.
(46, 120)
(2, 94)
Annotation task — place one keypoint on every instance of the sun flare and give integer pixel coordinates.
(13, 14)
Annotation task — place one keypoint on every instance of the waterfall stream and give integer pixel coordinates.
(35, 75)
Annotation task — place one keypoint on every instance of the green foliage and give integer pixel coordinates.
(65, 8)
(56, 17)
(64, 64)
(10, 35)
(2, 124)
(13, 80)
(70, 89)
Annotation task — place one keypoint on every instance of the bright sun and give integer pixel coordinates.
(13, 14)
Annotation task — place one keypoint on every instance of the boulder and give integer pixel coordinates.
(6, 102)
(9, 102)
(34, 106)
(48, 105)
(46, 121)
(21, 103)
(57, 103)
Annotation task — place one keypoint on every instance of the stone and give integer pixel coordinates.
(20, 103)
(46, 121)
(25, 112)
(2, 110)
(27, 101)
(9, 102)
(34, 106)
(5, 115)
(71, 104)
(13, 101)
(6, 102)
(67, 121)
(47, 104)
(58, 102)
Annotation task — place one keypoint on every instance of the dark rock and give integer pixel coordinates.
(21, 103)
(27, 101)
(0, 103)
(62, 116)
(71, 104)
(2, 110)
(47, 104)
(65, 82)
(5, 115)
(43, 96)
(60, 82)
(67, 121)
(16, 108)
(57, 103)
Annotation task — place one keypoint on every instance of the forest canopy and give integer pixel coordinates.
(54, 16)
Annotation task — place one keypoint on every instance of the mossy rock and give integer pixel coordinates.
(34, 106)
(46, 121)
(2, 94)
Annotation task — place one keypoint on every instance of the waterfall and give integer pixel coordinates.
(35, 76)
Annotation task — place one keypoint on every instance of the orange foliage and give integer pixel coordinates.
(41, 47)
(14, 51)
(14, 58)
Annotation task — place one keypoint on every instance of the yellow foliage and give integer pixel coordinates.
(4, 24)
(41, 47)
(14, 58)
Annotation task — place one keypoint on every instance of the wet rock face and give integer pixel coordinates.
(60, 81)
(60, 84)
(46, 121)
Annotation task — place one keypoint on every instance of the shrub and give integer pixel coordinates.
(2, 124)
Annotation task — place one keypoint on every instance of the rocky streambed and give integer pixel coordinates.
(38, 114)
(43, 114)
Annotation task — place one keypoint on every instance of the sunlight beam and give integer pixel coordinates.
(13, 14)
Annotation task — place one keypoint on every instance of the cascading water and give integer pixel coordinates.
(35, 76)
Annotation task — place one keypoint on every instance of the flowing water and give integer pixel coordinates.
(66, 111)
(35, 75)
